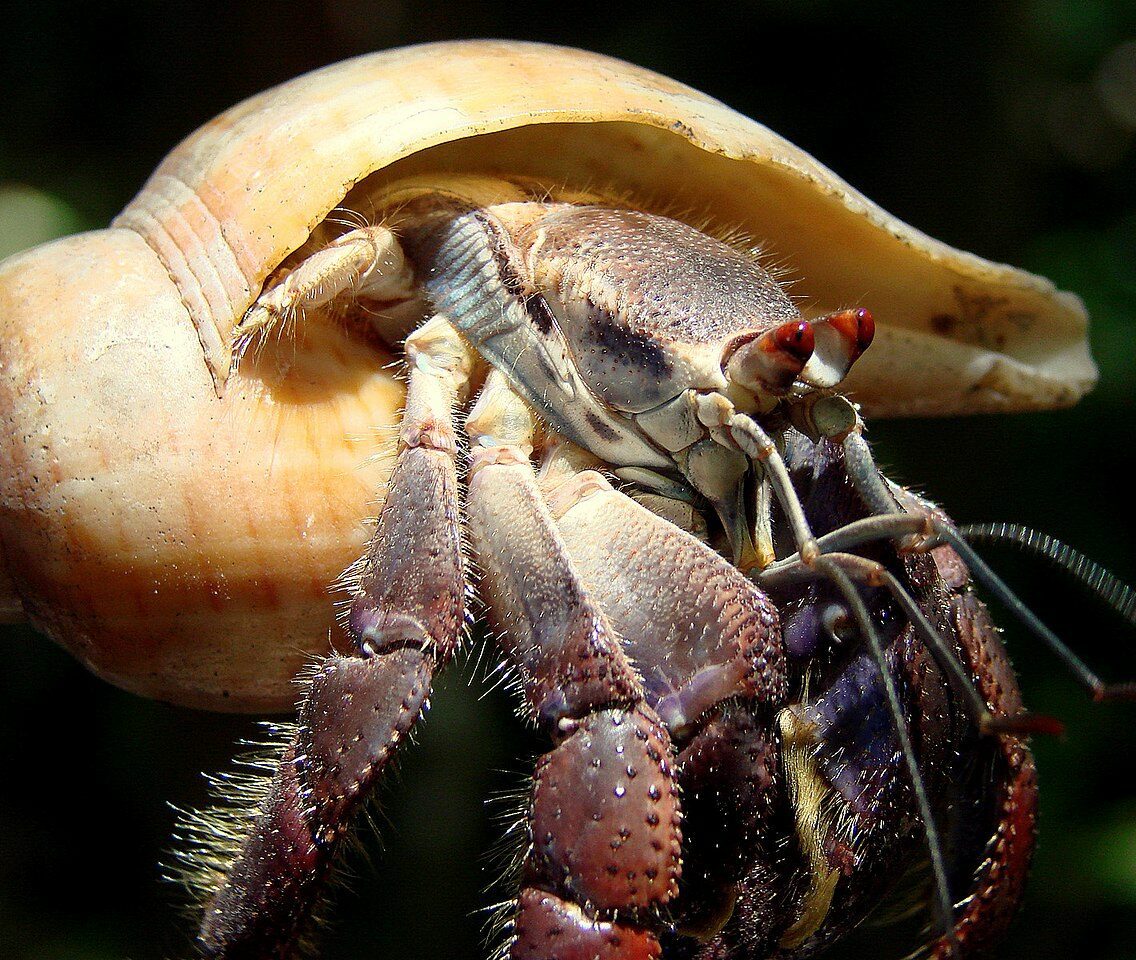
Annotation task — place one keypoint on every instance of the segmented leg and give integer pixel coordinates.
(951, 624)
(367, 262)
(405, 621)
(706, 643)
(990, 803)
(698, 630)
(605, 817)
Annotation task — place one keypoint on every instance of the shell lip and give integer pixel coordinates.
(546, 84)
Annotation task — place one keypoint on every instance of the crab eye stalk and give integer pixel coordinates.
(772, 362)
(840, 340)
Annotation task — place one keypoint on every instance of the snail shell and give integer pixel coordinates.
(178, 529)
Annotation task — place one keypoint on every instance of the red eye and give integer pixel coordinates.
(796, 339)
(857, 326)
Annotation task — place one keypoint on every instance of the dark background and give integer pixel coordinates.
(1003, 128)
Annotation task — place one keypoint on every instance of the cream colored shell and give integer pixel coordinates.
(180, 533)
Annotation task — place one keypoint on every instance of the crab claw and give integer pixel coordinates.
(771, 362)
(841, 338)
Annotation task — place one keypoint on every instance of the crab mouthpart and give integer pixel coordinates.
(772, 361)
(840, 339)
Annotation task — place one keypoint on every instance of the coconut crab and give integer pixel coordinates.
(770, 362)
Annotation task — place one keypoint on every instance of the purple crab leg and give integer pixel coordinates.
(406, 621)
(605, 820)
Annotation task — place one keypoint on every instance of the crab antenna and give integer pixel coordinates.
(1096, 687)
(943, 905)
(1110, 589)
(879, 498)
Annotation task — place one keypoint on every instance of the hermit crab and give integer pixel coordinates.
(504, 299)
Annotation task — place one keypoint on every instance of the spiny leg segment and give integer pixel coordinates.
(405, 621)
(706, 644)
(703, 654)
(605, 817)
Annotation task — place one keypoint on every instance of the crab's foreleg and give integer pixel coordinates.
(605, 848)
(367, 262)
(405, 622)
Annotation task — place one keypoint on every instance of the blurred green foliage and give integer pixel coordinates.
(1005, 128)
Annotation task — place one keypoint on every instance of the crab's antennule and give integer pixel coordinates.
(772, 362)
(1110, 589)
(981, 572)
(841, 338)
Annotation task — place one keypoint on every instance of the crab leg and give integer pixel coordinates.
(406, 622)
(367, 262)
(996, 887)
(707, 644)
(605, 849)
(699, 630)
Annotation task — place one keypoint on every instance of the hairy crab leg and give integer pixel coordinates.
(942, 905)
(406, 621)
(988, 691)
(605, 817)
(998, 881)
(671, 598)
(367, 262)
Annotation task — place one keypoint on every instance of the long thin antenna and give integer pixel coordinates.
(1098, 689)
